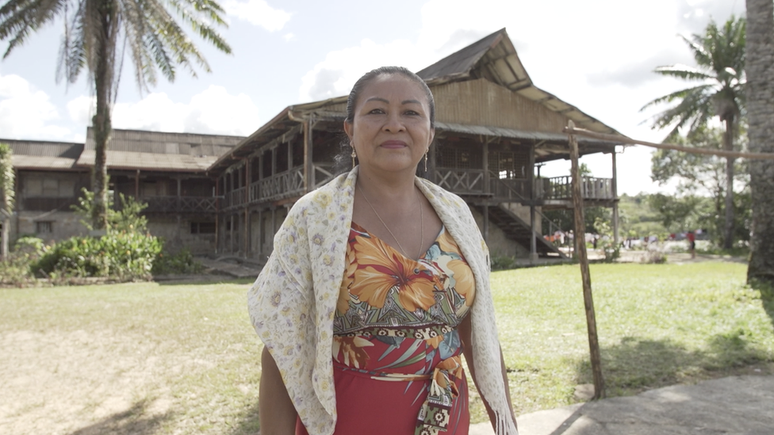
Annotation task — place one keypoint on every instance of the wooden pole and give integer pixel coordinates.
(580, 242)
(666, 146)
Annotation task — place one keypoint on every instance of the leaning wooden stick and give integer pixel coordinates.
(580, 246)
(666, 146)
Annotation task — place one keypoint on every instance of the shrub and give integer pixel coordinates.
(180, 263)
(119, 255)
(16, 269)
(503, 262)
(655, 255)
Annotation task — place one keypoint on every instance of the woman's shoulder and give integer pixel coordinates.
(339, 190)
(441, 195)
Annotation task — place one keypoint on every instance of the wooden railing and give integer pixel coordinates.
(286, 184)
(460, 181)
(561, 188)
(180, 204)
(47, 203)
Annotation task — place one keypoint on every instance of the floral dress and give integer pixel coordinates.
(396, 348)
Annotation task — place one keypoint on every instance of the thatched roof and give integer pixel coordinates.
(33, 154)
(157, 151)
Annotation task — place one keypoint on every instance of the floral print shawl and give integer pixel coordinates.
(293, 300)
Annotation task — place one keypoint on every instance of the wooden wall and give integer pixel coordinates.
(481, 102)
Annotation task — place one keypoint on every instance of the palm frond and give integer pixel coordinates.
(683, 72)
(20, 18)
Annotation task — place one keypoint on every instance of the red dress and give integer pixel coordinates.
(396, 349)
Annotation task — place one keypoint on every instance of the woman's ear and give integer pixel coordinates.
(349, 129)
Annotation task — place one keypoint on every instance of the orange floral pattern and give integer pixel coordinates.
(396, 320)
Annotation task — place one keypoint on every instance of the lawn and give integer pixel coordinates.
(150, 358)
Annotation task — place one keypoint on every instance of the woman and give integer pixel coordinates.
(378, 282)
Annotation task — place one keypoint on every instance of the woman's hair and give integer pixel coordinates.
(387, 70)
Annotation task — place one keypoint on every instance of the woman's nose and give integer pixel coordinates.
(394, 123)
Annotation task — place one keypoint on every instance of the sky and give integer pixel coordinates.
(597, 55)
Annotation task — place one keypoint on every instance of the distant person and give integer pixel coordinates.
(691, 243)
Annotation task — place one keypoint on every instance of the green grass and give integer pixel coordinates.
(657, 325)
(185, 360)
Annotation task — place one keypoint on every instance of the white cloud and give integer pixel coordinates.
(334, 76)
(26, 112)
(213, 111)
(257, 13)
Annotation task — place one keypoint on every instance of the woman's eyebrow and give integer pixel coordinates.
(384, 100)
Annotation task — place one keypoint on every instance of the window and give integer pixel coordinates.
(202, 227)
(44, 227)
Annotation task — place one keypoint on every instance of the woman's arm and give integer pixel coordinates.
(275, 410)
(465, 334)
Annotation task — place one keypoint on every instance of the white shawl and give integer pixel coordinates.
(292, 302)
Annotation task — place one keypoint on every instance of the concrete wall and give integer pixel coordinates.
(522, 211)
(178, 235)
(63, 225)
(262, 232)
(499, 244)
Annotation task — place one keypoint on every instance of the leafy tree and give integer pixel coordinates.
(125, 218)
(760, 71)
(96, 33)
(720, 56)
(700, 176)
(6, 196)
(674, 212)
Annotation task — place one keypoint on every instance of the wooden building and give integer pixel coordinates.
(227, 195)
(168, 171)
(493, 130)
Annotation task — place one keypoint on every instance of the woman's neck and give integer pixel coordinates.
(386, 188)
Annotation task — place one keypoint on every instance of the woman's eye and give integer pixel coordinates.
(376, 111)
(412, 112)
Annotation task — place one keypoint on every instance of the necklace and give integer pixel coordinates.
(421, 227)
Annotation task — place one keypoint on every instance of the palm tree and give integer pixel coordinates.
(760, 71)
(96, 34)
(720, 56)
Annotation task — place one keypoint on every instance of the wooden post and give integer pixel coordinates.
(137, 185)
(533, 255)
(246, 235)
(487, 181)
(580, 242)
(616, 236)
(486, 222)
(308, 157)
(217, 215)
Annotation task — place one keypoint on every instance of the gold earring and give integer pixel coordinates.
(353, 155)
(425, 161)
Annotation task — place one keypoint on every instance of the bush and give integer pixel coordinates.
(15, 270)
(180, 263)
(503, 262)
(118, 255)
(655, 255)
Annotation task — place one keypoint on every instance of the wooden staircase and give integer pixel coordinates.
(520, 231)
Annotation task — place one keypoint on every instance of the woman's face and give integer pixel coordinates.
(391, 126)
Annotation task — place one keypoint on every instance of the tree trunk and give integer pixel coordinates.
(101, 123)
(760, 114)
(6, 233)
(728, 145)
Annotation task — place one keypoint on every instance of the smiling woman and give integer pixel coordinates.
(366, 315)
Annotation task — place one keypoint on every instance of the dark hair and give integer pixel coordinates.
(387, 70)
